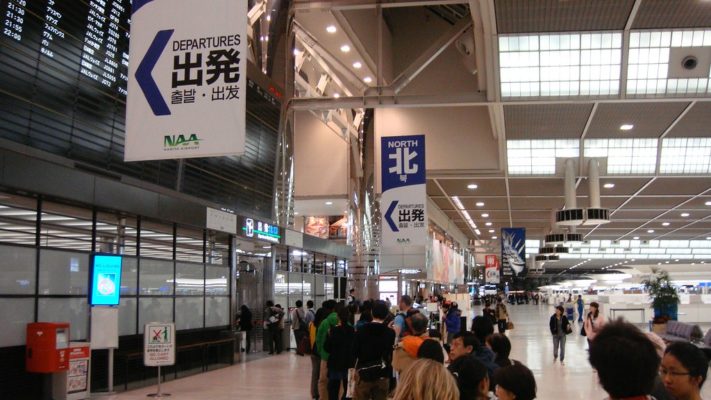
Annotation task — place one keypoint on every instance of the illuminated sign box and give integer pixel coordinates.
(105, 279)
(256, 229)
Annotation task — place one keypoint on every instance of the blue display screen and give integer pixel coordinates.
(105, 279)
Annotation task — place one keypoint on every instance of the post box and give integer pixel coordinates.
(47, 347)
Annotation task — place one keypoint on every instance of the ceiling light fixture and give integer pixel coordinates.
(345, 48)
(485, 215)
(650, 231)
(367, 79)
(457, 202)
(494, 237)
(329, 203)
(474, 186)
(480, 204)
(296, 213)
(488, 224)
(357, 65)
(491, 231)
(608, 185)
(708, 203)
(331, 29)
(635, 238)
(626, 127)
(685, 215)
(665, 223)
(336, 95)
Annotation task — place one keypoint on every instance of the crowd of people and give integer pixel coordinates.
(366, 351)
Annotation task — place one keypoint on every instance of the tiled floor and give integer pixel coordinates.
(287, 376)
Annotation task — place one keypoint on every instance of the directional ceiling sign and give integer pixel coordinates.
(404, 195)
(187, 77)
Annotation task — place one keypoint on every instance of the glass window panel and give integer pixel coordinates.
(189, 245)
(15, 314)
(156, 277)
(127, 316)
(189, 312)
(156, 240)
(63, 272)
(217, 279)
(281, 289)
(129, 276)
(154, 309)
(189, 279)
(218, 311)
(17, 268)
(296, 288)
(71, 310)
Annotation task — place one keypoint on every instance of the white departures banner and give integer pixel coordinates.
(404, 196)
(187, 77)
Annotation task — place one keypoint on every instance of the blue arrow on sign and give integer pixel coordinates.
(389, 216)
(145, 69)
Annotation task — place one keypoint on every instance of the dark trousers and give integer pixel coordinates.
(298, 336)
(335, 379)
(502, 325)
(315, 371)
(274, 338)
(248, 340)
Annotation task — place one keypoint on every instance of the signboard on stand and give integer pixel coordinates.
(403, 202)
(187, 79)
(159, 344)
(513, 252)
(492, 267)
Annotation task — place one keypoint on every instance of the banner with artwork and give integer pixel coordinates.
(492, 267)
(445, 264)
(513, 251)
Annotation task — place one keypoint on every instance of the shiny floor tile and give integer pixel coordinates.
(286, 376)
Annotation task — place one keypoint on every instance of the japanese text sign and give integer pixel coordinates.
(159, 344)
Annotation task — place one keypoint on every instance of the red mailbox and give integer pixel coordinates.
(47, 347)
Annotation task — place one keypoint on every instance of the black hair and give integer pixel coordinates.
(501, 346)
(517, 379)
(270, 303)
(406, 299)
(561, 309)
(482, 327)
(380, 310)
(597, 309)
(691, 357)
(626, 361)
(343, 314)
(431, 349)
(310, 304)
(468, 339)
(299, 303)
(329, 305)
(366, 315)
(468, 372)
(419, 323)
(321, 314)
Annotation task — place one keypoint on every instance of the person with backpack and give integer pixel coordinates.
(401, 325)
(300, 327)
(373, 350)
(489, 312)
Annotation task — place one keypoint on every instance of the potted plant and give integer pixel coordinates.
(664, 296)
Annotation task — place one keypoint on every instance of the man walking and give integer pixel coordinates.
(373, 350)
(299, 326)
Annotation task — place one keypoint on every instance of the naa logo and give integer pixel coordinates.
(180, 142)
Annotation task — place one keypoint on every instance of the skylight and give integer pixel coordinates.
(576, 64)
(649, 62)
(537, 157)
(625, 156)
(686, 156)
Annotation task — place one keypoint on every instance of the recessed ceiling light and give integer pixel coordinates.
(635, 238)
(367, 79)
(336, 95)
(708, 203)
(297, 52)
(331, 29)
(485, 215)
(685, 215)
(345, 48)
(357, 65)
(491, 231)
(666, 262)
(494, 237)
(488, 224)
(650, 231)
(329, 203)
(665, 223)
(473, 186)
(480, 204)
(677, 260)
(608, 185)
(626, 127)
(296, 213)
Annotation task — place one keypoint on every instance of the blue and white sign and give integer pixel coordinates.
(513, 251)
(404, 196)
(187, 77)
(105, 280)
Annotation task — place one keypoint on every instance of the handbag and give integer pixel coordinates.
(568, 329)
(582, 331)
(509, 325)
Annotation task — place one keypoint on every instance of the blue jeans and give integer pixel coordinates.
(335, 378)
(559, 342)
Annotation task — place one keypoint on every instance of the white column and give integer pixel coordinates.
(594, 183)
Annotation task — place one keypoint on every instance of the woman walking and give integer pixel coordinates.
(593, 322)
(560, 327)
(502, 315)
(580, 305)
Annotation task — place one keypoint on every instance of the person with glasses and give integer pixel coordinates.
(683, 370)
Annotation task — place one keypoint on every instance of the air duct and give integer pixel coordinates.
(571, 215)
(595, 215)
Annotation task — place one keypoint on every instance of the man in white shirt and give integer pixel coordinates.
(299, 324)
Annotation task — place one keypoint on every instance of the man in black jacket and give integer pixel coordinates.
(373, 353)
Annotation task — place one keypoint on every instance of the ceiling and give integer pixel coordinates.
(656, 195)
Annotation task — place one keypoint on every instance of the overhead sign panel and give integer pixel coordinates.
(187, 77)
(513, 251)
(404, 196)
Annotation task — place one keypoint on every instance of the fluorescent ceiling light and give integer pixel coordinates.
(345, 48)
(491, 231)
(457, 202)
(494, 237)
(485, 215)
(608, 185)
(329, 203)
(708, 203)
(635, 238)
(650, 230)
(477, 231)
(665, 223)
(626, 127)
(480, 204)
(488, 224)
(474, 186)
(357, 65)
(331, 29)
(685, 215)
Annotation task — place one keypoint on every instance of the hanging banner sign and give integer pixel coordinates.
(492, 266)
(513, 251)
(187, 77)
(404, 196)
